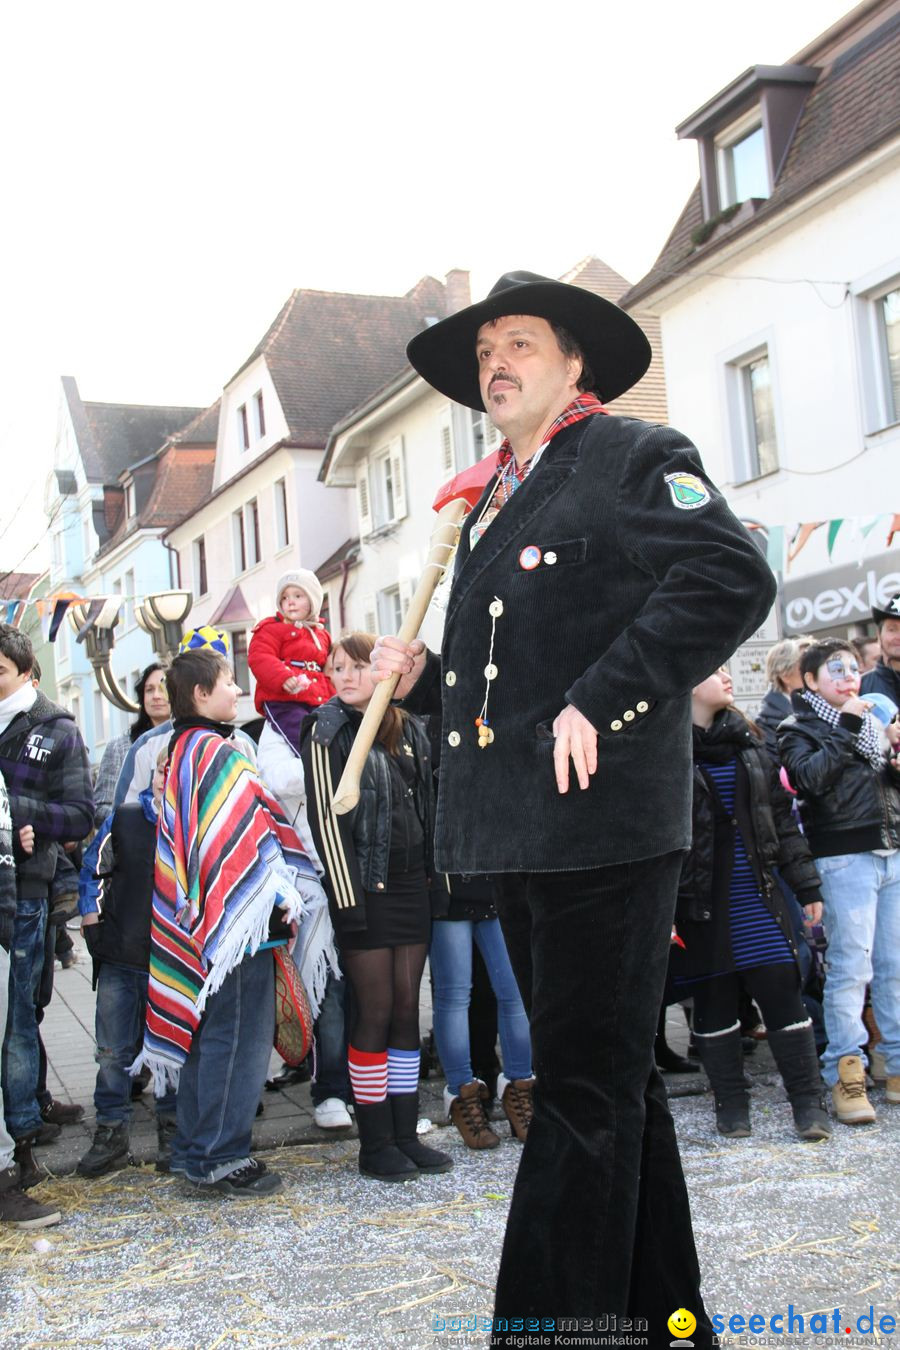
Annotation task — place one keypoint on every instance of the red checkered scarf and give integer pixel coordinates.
(585, 405)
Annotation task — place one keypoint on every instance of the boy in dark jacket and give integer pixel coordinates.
(115, 897)
(16, 1207)
(45, 765)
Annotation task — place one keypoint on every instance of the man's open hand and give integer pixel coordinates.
(576, 739)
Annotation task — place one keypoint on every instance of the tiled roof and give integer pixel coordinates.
(203, 430)
(327, 352)
(17, 585)
(113, 436)
(183, 483)
(647, 399)
(853, 108)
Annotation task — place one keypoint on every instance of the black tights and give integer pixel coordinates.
(775, 988)
(385, 996)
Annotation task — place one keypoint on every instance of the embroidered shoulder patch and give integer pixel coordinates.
(688, 491)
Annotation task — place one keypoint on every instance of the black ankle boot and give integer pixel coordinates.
(379, 1156)
(721, 1058)
(405, 1110)
(794, 1051)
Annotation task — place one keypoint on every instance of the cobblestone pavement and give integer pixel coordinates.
(141, 1261)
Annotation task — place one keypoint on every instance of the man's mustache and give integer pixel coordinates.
(505, 379)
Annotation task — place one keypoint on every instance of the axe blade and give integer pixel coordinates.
(468, 485)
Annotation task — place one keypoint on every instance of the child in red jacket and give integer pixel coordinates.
(288, 652)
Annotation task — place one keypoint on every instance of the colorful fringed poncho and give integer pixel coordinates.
(225, 858)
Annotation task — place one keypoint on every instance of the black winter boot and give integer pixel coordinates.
(165, 1133)
(405, 1110)
(721, 1057)
(30, 1171)
(379, 1156)
(20, 1209)
(108, 1151)
(794, 1051)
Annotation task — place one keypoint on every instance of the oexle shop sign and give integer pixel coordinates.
(840, 596)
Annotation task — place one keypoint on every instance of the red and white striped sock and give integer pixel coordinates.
(368, 1075)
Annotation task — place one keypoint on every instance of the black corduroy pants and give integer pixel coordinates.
(599, 1224)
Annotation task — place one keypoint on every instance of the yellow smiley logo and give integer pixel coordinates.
(682, 1323)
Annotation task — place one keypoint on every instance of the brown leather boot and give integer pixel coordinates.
(467, 1113)
(516, 1099)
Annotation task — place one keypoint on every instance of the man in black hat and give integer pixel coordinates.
(885, 678)
(600, 578)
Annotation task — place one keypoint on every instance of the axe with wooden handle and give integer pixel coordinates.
(453, 503)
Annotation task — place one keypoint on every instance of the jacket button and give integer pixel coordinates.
(550, 558)
(642, 706)
(490, 672)
(450, 678)
(629, 715)
(495, 609)
(379, 885)
(454, 739)
(615, 725)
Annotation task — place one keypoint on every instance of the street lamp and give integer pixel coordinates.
(98, 643)
(162, 616)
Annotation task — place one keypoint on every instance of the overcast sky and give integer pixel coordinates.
(172, 171)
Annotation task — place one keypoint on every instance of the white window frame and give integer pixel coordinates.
(880, 416)
(259, 415)
(199, 566)
(253, 532)
(128, 590)
(130, 508)
(738, 411)
(389, 611)
(381, 489)
(239, 541)
(243, 426)
(725, 143)
(282, 521)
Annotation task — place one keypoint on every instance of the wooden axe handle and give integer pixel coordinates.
(443, 542)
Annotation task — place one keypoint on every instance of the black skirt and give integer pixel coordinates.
(395, 917)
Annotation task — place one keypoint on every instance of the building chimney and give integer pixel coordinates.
(457, 287)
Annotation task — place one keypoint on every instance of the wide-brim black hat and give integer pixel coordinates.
(614, 347)
(890, 611)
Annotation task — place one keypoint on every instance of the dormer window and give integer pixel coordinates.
(741, 161)
(129, 500)
(743, 135)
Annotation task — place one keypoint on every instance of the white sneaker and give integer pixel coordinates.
(332, 1114)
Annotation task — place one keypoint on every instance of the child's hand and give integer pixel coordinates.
(26, 838)
(88, 919)
(291, 686)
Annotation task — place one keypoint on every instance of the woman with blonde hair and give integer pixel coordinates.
(376, 860)
(783, 675)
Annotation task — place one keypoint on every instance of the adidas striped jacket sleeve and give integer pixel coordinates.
(333, 835)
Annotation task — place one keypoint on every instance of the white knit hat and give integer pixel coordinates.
(305, 581)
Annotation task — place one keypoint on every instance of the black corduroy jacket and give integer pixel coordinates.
(612, 590)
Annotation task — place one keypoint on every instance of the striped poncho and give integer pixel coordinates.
(225, 857)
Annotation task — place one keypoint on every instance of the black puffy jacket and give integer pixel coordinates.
(774, 708)
(771, 836)
(355, 848)
(846, 805)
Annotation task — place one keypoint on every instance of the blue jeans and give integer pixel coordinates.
(223, 1076)
(119, 1027)
(332, 1078)
(451, 967)
(861, 919)
(21, 1056)
(6, 1143)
